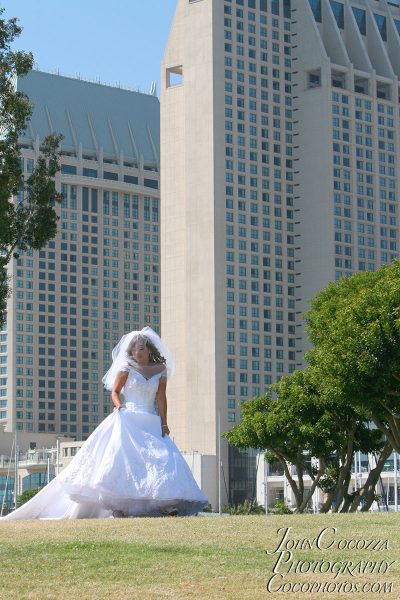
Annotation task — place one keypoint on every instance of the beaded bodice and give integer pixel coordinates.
(139, 393)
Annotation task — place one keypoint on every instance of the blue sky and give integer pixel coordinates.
(121, 41)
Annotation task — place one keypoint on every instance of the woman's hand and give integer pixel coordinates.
(162, 406)
(119, 383)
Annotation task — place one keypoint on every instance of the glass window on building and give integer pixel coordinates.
(381, 22)
(338, 12)
(242, 474)
(68, 169)
(7, 491)
(131, 179)
(316, 9)
(287, 11)
(110, 175)
(35, 480)
(89, 172)
(275, 7)
(361, 18)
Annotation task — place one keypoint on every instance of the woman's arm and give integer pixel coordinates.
(119, 383)
(162, 406)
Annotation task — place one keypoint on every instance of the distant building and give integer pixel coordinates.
(273, 485)
(100, 277)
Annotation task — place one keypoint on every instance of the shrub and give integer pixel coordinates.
(245, 508)
(280, 508)
(27, 495)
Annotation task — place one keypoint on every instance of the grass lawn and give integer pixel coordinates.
(194, 557)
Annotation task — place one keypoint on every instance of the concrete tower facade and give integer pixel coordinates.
(279, 159)
(227, 217)
(346, 101)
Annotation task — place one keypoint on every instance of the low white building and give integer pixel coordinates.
(272, 484)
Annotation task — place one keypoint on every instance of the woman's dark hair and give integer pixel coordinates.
(154, 355)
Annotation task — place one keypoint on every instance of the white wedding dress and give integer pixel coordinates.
(124, 465)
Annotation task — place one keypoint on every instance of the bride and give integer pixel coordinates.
(129, 466)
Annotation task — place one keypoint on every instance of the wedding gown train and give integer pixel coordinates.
(125, 465)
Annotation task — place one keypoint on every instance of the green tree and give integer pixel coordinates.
(291, 428)
(354, 326)
(299, 423)
(331, 432)
(27, 495)
(31, 221)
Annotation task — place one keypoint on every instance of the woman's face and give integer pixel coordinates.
(140, 352)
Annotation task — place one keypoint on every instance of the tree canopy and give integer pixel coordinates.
(354, 326)
(298, 425)
(28, 495)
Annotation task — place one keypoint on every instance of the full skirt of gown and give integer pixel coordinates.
(125, 465)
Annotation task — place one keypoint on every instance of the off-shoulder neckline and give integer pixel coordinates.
(145, 378)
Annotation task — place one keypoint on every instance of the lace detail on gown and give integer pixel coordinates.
(125, 464)
(139, 393)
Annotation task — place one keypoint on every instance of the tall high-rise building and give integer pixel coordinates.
(100, 277)
(279, 155)
(346, 95)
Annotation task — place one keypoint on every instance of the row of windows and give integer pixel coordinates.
(72, 290)
(256, 350)
(108, 175)
(263, 57)
(243, 311)
(347, 225)
(254, 233)
(244, 364)
(21, 283)
(256, 326)
(264, 248)
(252, 81)
(265, 222)
(89, 202)
(256, 299)
(365, 216)
(256, 378)
(362, 253)
(361, 140)
(254, 259)
(359, 14)
(266, 287)
(26, 164)
(251, 40)
(255, 391)
(359, 115)
(277, 7)
(370, 242)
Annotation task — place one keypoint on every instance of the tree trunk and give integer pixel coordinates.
(310, 493)
(297, 494)
(390, 435)
(328, 502)
(345, 469)
(348, 499)
(368, 490)
(393, 423)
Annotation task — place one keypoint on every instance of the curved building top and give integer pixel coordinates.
(94, 118)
